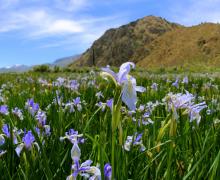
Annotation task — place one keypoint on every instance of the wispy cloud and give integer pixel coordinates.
(61, 22)
(192, 12)
(72, 5)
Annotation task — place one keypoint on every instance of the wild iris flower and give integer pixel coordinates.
(127, 82)
(4, 110)
(85, 169)
(27, 142)
(18, 112)
(108, 171)
(73, 85)
(186, 102)
(31, 106)
(108, 103)
(176, 83)
(6, 133)
(185, 80)
(154, 86)
(5, 130)
(75, 151)
(73, 136)
(41, 117)
(135, 140)
(194, 111)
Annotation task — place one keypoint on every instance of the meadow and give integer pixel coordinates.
(96, 126)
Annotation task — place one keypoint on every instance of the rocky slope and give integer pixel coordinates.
(128, 42)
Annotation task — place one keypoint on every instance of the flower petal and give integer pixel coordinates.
(19, 148)
(123, 71)
(75, 151)
(2, 140)
(140, 89)
(129, 95)
(86, 163)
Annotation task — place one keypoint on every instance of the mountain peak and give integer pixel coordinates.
(128, 42)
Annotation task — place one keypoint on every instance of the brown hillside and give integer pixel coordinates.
(188, 47)
(128, 42)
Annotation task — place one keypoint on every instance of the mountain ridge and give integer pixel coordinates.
(154, 42)
(129, 41)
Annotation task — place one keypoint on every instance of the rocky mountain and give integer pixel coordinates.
(128, 42)
(153, 42)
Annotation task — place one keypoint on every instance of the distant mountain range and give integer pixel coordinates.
(62, 62)
(154, 42)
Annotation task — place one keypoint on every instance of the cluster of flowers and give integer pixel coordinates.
(84, 169)
(135, 140)
(185, 102)
(145, 111)
(70, 84)
(27, 142)
(28, 139)
(39, 115)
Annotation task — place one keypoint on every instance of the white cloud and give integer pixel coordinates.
(39, 23)
(55, 28)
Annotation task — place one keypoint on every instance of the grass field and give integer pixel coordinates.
(75, 126)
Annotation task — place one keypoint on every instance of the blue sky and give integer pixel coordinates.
(40, 31)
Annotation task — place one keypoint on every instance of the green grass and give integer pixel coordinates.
(191, 152)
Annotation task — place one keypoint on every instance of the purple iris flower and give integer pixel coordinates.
(154, 86)
(80, 169)
(138, 138)
(73, 136)
(41, 117)
(194, 111)
(32, 107)
(4, 110)
(37, 131)
(102, 105)
(76, 101)
(185, 101)
(127, 82)
(109, 103)
(108, 171)
(5, 130)
(30, 102)
(73, 85)
(135, 140)
(185, 80)
(176, 83)
(28, 140)
(60, 81)
(47, 130)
